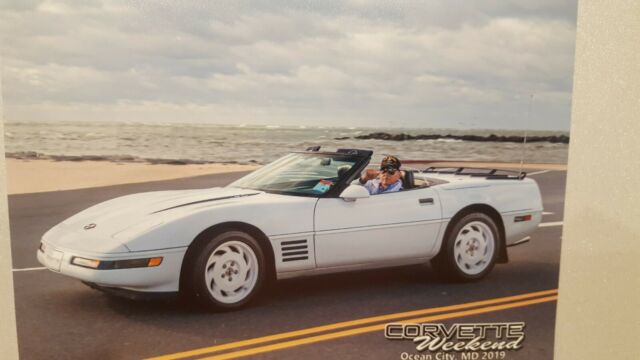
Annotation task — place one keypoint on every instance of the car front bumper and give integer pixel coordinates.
(162, 278)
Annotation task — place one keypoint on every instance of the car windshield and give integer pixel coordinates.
(306, 174)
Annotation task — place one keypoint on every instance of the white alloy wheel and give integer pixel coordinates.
(469, 249)
(231, 272)
(474, 247)
(224, 270)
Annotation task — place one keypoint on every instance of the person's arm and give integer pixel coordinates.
(369, 174)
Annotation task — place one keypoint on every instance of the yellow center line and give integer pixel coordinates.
(367, 329)
(340, 325)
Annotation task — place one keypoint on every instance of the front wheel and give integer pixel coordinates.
(470, 249)
(228, 271)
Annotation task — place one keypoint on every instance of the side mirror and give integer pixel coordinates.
(354, 192)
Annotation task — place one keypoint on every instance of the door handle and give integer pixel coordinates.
(426, 201)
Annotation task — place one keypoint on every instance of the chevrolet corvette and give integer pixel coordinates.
(303, 214)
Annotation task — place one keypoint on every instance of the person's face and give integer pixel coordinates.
(387, 178)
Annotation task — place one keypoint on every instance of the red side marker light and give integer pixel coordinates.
(522, 218)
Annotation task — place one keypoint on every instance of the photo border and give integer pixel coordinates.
(8, 330)
(601, 228)
(604, 119)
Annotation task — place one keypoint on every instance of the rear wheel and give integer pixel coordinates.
(227, 271)
(470, 248)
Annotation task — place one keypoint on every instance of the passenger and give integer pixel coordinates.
(386, 180)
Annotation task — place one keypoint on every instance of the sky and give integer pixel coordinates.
(500, 64)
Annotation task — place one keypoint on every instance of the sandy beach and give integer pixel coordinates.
(31, 176)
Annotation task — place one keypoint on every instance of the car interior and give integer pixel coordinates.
(409, 181)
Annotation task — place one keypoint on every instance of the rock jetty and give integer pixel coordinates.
(556, 139)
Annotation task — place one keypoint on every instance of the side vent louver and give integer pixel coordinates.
(294, 250)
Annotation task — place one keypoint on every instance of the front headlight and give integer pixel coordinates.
(116, 264)
(88, 263)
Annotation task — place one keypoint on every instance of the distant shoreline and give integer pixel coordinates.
(127, 159)
(553, 139)
(185, 145)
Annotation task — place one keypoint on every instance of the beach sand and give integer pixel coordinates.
(30, 176)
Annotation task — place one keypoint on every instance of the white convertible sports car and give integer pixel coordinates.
(303, 214)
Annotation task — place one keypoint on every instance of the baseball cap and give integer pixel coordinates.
(390, 161)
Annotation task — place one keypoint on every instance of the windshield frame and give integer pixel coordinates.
(361, 161)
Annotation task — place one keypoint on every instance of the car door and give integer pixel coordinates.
(383, 227)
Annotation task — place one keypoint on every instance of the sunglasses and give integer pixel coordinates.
(389, 170)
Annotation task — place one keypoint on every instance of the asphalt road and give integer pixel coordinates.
(60, 318)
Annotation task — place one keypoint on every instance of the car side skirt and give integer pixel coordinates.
(354, 267)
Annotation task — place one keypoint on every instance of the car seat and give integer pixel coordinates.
(407, 179)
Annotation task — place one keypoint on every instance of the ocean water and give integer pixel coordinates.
(204, 143)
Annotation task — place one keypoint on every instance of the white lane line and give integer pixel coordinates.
(557, 223)
(538, 172)
(29, 269)
(547, 213)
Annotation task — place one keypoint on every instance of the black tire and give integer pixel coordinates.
(466, 260)
(209, 279)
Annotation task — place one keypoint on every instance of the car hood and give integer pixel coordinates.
(105, 227)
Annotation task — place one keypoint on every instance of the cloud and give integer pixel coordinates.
(420, 64)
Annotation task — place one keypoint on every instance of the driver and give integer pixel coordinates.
(386, 180)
